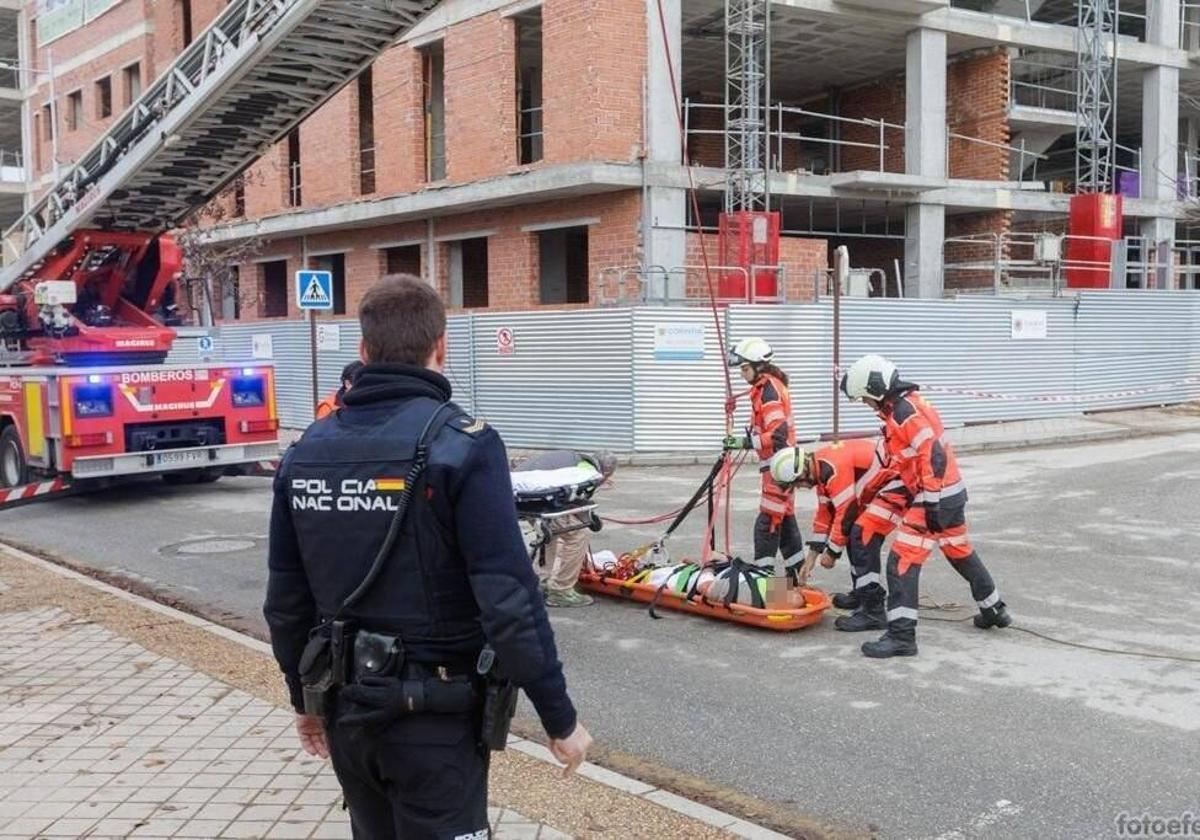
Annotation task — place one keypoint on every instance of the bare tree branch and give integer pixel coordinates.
(209, 266)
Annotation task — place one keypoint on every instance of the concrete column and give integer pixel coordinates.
(27, 107)
(1160, 129)
(925, 155)
(665, 242)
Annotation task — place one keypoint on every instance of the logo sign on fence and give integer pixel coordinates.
(261, 347)
(1028, 324)
(329, 337)
(505, 342)
(205, 345)
(679, 342)
(314, 289)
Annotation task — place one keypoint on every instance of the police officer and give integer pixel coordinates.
(397, 571)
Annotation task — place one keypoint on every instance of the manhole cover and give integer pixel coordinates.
(212, 545)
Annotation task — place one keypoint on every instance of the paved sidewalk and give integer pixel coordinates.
(120, 717)
(101, 738)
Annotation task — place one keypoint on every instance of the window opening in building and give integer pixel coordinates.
(469, 273)
(366, 133)
(185, 9)
(231, 302)
(293, 168)
(335, 264)
(433, 63)
(74, 110)
(405, 259)
(529, 87)
(275, 289)
(104, 98)
(563, 254)
(133, 83)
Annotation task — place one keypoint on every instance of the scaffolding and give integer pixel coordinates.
(1095, 125)
(747, 97)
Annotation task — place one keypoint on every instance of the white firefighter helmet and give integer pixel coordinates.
(753, 350)
(787, 465)
(871, 376)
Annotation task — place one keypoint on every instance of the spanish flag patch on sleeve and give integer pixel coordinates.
(389, 484)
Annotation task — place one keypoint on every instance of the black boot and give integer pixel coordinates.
(851, 600)
(888, 646)
(870, 616)
(997, 616)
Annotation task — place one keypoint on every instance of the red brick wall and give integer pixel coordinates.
(329, 151)
(594, 58)
(120, 19)
(982, 228)
(481, 116)
(976, 107)
(880, 100)
(399, 122)
(267, 183)
(513, 268)
(800, 257)
(513, 271)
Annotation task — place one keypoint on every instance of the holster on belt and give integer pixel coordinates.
(324, 666)
(499, 702)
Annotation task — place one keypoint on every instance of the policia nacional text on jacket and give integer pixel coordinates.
(458, 577)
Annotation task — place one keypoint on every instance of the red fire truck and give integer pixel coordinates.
(88, 304)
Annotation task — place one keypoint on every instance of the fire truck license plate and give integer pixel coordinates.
(174, 458)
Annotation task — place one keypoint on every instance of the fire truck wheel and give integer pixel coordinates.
(13, 470)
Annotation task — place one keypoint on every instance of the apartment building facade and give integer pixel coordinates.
(528, 154)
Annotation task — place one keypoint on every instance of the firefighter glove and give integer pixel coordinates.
(732, 442)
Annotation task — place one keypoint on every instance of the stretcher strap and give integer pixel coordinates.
(705, 488)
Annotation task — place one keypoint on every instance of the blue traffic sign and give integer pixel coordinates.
(314, 289)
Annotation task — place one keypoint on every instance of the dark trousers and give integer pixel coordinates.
(423, 777)
(785, 538)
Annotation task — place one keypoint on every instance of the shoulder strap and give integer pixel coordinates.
(441, 415)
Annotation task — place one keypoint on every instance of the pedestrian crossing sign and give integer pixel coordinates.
(314, 289)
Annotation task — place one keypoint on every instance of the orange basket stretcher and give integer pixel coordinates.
(804, 607)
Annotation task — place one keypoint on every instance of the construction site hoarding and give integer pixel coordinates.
(619, 378)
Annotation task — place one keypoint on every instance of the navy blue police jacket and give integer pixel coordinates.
(459, 575)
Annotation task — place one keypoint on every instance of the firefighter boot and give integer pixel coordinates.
(892, 643)
(848, 600)
(994, 616)
(870, 616)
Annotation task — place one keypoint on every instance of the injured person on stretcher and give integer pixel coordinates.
(553, 493)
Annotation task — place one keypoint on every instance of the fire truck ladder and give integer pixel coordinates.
(253, 76)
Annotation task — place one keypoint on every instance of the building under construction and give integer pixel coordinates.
(586, 152)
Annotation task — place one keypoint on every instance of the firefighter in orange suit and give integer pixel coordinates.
(771, 429)
(916, 450)
(334, 401)
(859, 503)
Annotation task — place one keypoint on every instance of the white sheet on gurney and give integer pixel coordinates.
(535, 481)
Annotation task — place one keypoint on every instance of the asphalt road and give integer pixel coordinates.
(999, 734)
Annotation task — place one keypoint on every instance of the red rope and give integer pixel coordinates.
(693, 194)
(722, 491)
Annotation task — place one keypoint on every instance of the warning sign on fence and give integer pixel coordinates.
(505, 343)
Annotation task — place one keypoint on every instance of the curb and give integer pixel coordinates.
(624, 784)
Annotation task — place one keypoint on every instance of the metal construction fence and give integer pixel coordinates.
(651, 379)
